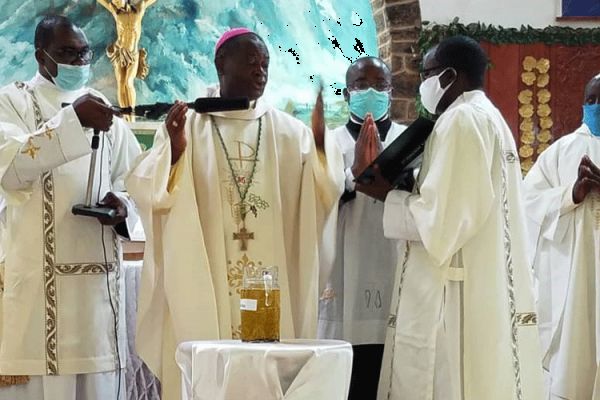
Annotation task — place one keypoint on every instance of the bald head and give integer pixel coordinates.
(368, 67)
(592, 91)
(46, 30)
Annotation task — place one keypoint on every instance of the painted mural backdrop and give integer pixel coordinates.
(307, 39)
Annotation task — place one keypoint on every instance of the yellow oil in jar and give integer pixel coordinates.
(260, 321)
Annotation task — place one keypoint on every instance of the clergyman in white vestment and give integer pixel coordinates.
(462, 323)
(562, 192)
(62, 301)
(355, 303)
(221, 191)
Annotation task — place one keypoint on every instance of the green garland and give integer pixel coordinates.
(432, 34)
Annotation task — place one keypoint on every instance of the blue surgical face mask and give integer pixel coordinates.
(70, 77)
(591, 117)
(369, 101)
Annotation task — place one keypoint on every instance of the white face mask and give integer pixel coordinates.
(431, 91)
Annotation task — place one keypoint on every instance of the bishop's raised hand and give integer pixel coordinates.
(175, 124)
(318, 121)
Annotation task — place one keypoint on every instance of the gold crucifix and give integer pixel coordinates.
(243, 236)
(128, 60)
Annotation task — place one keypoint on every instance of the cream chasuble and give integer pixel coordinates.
(462, 323)
(57, 317)
(565, 238)
(193, 264)
(248, 225)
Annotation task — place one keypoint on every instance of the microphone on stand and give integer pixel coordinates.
(87, 209)
(200, 105)
(149, 111)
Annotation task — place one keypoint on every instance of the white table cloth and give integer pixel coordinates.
(140, 383)
(291, 370)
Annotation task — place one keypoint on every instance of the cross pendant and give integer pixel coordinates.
(243, 236)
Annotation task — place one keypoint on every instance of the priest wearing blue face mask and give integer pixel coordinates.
(462, 317)
(61, 335)
(355, 304)
(562, 192)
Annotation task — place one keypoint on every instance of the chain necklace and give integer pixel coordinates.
(243, 235)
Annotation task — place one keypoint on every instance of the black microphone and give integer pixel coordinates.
(217, 104)
(200, 105)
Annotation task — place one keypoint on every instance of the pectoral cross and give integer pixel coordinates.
(243, 236)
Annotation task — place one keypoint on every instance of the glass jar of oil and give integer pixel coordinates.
(260, 304)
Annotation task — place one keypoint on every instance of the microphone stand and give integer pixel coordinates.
(87, 209)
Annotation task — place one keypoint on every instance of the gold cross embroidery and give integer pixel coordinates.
(243, 236)
(49, 132)
(31, 149)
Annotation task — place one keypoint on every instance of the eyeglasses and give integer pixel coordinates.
(379, 86)
(70, 55)
(427, 72)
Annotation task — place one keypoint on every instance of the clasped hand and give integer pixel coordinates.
(368, 147)
(588, 179)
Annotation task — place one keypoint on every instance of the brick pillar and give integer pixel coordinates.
(398, 23)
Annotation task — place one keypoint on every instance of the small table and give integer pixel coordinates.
(292, 370)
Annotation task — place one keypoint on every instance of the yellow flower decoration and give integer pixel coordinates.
(526, 111)
(543, 110)
(544, 136)
(527, 137)
(526, 151)
(544, 96)
(526, 165)
(528, 78)
(534, 72)
(546, 122)
(529, 63)
(543, 80)
(543, 65)
(525, 96)
(542, 147)
(526, 125)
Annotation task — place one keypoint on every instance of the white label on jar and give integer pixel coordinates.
(248, 304)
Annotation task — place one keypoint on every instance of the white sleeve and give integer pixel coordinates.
(125, 150)
(350, 184)
(457, 192)
(58, 141)
(548, 201)
(398, 222)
